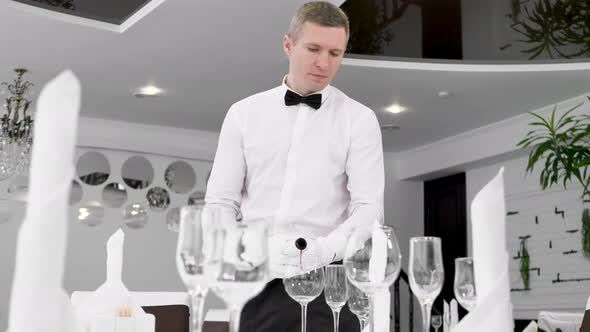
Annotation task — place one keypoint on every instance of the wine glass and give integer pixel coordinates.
(426, 273)
(436, 322)
(358, 303)
(304, 284)
(189, 260)
(236, 258)
(464, 284)
(372, 262)
(336, 290)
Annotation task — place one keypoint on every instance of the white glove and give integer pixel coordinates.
(283, 253)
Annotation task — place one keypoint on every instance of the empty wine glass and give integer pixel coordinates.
(236, 258)
(189, 260)
(426, 273)
(464, 283)
(304, 284)
(358, 303)
(336, 290)
(372, 262)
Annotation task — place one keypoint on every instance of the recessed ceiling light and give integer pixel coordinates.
(395, 108)
(148, 91)
(444, 94)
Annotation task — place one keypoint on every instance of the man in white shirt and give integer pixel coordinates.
(307, 156)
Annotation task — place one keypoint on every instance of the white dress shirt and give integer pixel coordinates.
(315, 173)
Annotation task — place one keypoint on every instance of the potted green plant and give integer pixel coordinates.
(562, 147)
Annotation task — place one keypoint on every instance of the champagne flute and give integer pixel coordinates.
(372, 262)
(464, 283)
(336, 290)
(189, 261)
(304, 284)
(358, 303)
(236, 259)
(426, 273)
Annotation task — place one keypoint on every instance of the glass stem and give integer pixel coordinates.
(303, 317)
(336, 314)
(234, 319)
(363, 324)
(426, 311)
(197, 305)
(371, 313)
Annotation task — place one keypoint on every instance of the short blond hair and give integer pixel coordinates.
(319, 12)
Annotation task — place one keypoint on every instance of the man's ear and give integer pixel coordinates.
(287, 45)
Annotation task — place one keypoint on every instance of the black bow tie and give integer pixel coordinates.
(314, 101)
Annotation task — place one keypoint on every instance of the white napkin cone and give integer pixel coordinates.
(377, 265)
(532, 327)
(38, 301)
(493, 311)
(446, 317)
(378, 260)
(381, 310)
(113, 294)
(454, 314)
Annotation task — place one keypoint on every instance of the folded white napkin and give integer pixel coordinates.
(446, 317)
(377, 265)
(381, 310)
(493, 311)
(566, 321)
(454, 314)
(38, 301)
(378, 260)
(112, 295)
(108, 323)
(532, 327)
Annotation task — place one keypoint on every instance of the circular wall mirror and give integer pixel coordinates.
(137, 172)
(158, 198)
(93, 168)
(114, 195)
(180, 177)
(135, 215)
(91, 214)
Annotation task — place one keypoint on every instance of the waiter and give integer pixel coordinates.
(309, 157)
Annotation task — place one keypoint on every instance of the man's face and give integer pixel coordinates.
(314, 56)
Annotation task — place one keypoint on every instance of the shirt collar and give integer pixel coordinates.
(326, 92)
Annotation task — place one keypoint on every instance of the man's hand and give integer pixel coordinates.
(283, 253)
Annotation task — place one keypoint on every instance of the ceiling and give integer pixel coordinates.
(207, 54)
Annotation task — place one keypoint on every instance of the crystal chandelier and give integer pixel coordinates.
(16, 133)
